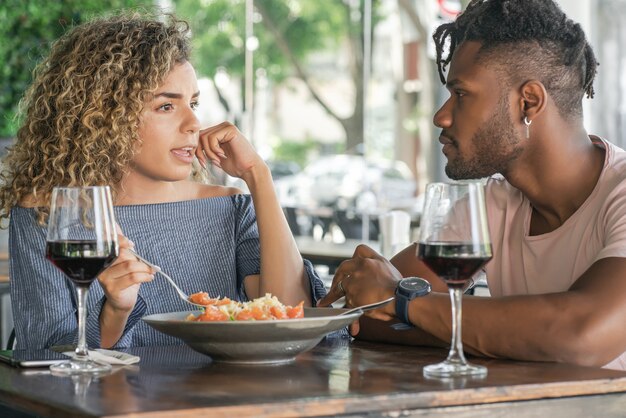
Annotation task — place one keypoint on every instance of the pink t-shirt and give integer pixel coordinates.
(595, 231)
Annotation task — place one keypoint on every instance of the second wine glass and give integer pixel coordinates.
(454, 243)
(81, 242)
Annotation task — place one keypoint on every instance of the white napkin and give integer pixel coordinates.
(100, 355)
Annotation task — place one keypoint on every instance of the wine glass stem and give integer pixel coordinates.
(456, 346)
(81, 348)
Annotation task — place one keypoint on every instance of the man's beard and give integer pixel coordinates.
(495, 145)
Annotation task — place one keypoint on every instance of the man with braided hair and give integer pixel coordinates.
(517, 71)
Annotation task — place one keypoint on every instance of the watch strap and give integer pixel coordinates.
(408, 289)
(402, 312)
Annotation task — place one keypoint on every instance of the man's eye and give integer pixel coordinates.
(459, 93)
(195, 105)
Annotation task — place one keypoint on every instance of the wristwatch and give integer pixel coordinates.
(408, 289)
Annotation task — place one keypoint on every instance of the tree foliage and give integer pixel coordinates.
(289, 32)
(219, 33)
(28, 28)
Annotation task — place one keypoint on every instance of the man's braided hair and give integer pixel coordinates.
(524, 40)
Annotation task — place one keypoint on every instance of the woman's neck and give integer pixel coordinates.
(135, 193)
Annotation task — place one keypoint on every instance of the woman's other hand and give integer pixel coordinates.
(224, 146)
(121, 280)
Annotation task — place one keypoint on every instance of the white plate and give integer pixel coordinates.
(253, 342)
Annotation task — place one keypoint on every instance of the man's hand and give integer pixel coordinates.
(365, 278)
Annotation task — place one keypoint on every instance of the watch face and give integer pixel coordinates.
(414, 286)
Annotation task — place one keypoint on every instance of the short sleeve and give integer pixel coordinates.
(614, 223)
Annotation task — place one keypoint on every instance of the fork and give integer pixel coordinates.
(368, 307)
(184, 296)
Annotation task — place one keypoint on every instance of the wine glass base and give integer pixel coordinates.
(454, 369)
(79, 367)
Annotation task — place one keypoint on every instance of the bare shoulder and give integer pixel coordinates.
(204, 191)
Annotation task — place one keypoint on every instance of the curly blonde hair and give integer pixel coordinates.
(82, 111)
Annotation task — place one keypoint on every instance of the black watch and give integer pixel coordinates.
(408, 289)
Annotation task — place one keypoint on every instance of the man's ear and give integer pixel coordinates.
(533, 99)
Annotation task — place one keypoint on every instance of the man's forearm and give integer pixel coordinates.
(381, 331)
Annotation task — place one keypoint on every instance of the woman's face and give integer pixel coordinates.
(169, 129)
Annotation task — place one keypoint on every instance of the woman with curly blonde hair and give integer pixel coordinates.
(113, 104)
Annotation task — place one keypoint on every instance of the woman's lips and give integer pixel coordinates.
(184, 154)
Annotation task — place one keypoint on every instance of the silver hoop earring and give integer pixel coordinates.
(527, 123)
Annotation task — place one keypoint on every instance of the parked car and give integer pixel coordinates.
(339, 181)
(281, 169)
(342, 195)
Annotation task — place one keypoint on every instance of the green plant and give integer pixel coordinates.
(302, 152)
(289, 33)
(296, 151)
(28, 29)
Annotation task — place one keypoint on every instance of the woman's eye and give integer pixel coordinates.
(166, 107)
(195, 105)
(459, 93)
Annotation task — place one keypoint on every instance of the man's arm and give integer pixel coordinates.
(408, 264)
(583, 325)
(371, 329)
(381, 331)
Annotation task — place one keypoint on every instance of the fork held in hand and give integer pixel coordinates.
(368, 307)
(182, 294)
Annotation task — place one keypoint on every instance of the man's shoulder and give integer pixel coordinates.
(499, 191)
(614, 174)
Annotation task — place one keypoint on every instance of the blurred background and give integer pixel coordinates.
(336, 95)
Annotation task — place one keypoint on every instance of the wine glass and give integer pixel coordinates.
(454, 243)
(81, 242)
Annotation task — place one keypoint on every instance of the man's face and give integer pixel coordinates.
(478, 134)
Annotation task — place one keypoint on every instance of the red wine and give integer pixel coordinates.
(80, 260)
(454, 263)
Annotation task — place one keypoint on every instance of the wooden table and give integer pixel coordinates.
(335, 378)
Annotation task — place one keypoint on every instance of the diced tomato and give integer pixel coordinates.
(259, 314)
(260, 309)
(296, 311)
(211, 313)
(278, 313)
(202, 298)
(244, 315)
